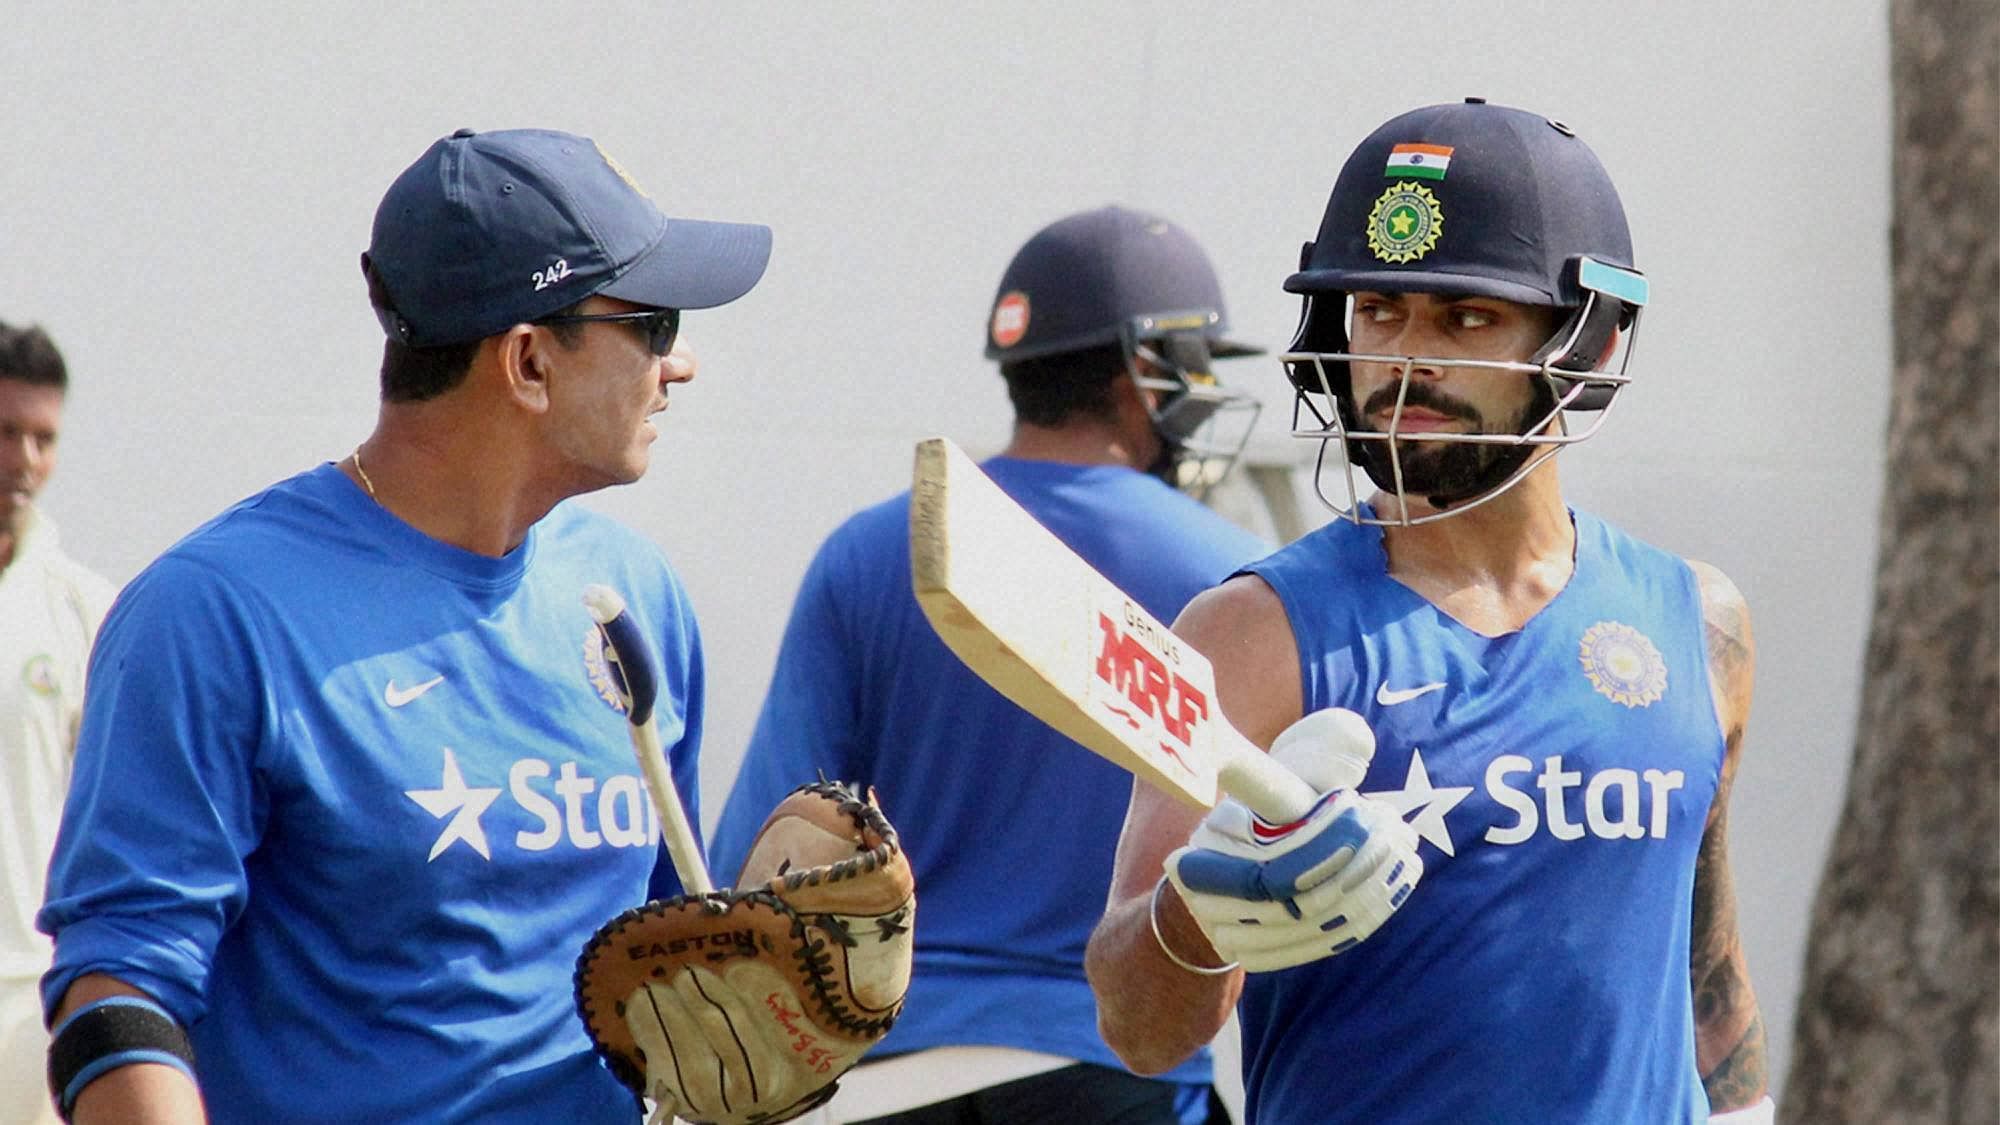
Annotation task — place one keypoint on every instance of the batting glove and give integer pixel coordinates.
(1271, 896)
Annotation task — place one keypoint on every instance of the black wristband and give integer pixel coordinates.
(106, 1034)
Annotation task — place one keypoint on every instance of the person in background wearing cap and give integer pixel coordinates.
(1557, 708)
(1103, 325)
(352, 788)
(50, 608)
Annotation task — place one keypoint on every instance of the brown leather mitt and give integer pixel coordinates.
(747, 1005)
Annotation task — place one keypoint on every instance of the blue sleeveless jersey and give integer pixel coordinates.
(1559, 779)
(1010, 826)
(349, 800)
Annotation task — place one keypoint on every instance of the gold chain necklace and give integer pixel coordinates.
(363, 474)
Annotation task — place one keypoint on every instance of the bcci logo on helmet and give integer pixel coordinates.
(1405, 223)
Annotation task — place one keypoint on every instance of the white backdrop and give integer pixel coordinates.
(187, 188)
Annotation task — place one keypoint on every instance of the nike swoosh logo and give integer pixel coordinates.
(1388, 698)
(396, 697)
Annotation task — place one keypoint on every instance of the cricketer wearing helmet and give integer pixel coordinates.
(1103, 324)
(1156, 305)
(1396, 223)
(1557, 708)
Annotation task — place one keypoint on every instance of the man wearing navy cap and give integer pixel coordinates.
(1104, 325)
(1557, 709)
(352, 786)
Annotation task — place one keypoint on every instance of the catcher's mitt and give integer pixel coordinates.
(746, 1005)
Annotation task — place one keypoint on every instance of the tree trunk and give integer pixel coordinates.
(1897, 1018)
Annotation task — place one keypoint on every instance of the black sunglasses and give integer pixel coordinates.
(660, 325)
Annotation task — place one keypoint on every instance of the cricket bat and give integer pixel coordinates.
(1062, 641)
(638, 682)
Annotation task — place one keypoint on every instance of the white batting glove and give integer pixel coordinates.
(1271, 896)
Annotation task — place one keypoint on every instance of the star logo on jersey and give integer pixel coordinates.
(463, 803)
(1428, 801)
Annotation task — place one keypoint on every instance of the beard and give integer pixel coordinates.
(1434, 469)
(1443, 471)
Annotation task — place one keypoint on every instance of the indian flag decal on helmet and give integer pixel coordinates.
(1420, 162)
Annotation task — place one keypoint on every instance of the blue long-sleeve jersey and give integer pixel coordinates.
(348, 801)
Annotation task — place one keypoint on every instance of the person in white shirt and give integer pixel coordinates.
(50, 607)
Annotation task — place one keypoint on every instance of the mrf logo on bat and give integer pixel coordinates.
(1137, 678)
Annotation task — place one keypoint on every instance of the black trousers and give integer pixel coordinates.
(1082, 1094)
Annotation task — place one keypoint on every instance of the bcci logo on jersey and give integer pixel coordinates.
(1622, 664)
(605, 679)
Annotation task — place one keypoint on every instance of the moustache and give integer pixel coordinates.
(1420, 396)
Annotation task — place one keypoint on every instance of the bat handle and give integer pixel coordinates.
(640, 681)
(1264, 785)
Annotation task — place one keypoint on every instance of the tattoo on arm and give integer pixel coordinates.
(1714, 948)
(1729, 1030)
(1714, 905)
(1734, 1070)
(1741, 1077)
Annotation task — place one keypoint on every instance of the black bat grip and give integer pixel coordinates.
(633, 665)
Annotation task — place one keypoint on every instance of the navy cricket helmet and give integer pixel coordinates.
(1084, 280)
(1481, 200)
(1120, 277)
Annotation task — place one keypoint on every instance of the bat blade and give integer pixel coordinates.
(1064, 643)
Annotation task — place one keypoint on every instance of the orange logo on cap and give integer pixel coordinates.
(1010, 319)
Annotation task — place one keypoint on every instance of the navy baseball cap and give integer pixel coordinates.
(489, 230)
(1469, 198)
(1083, 280)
